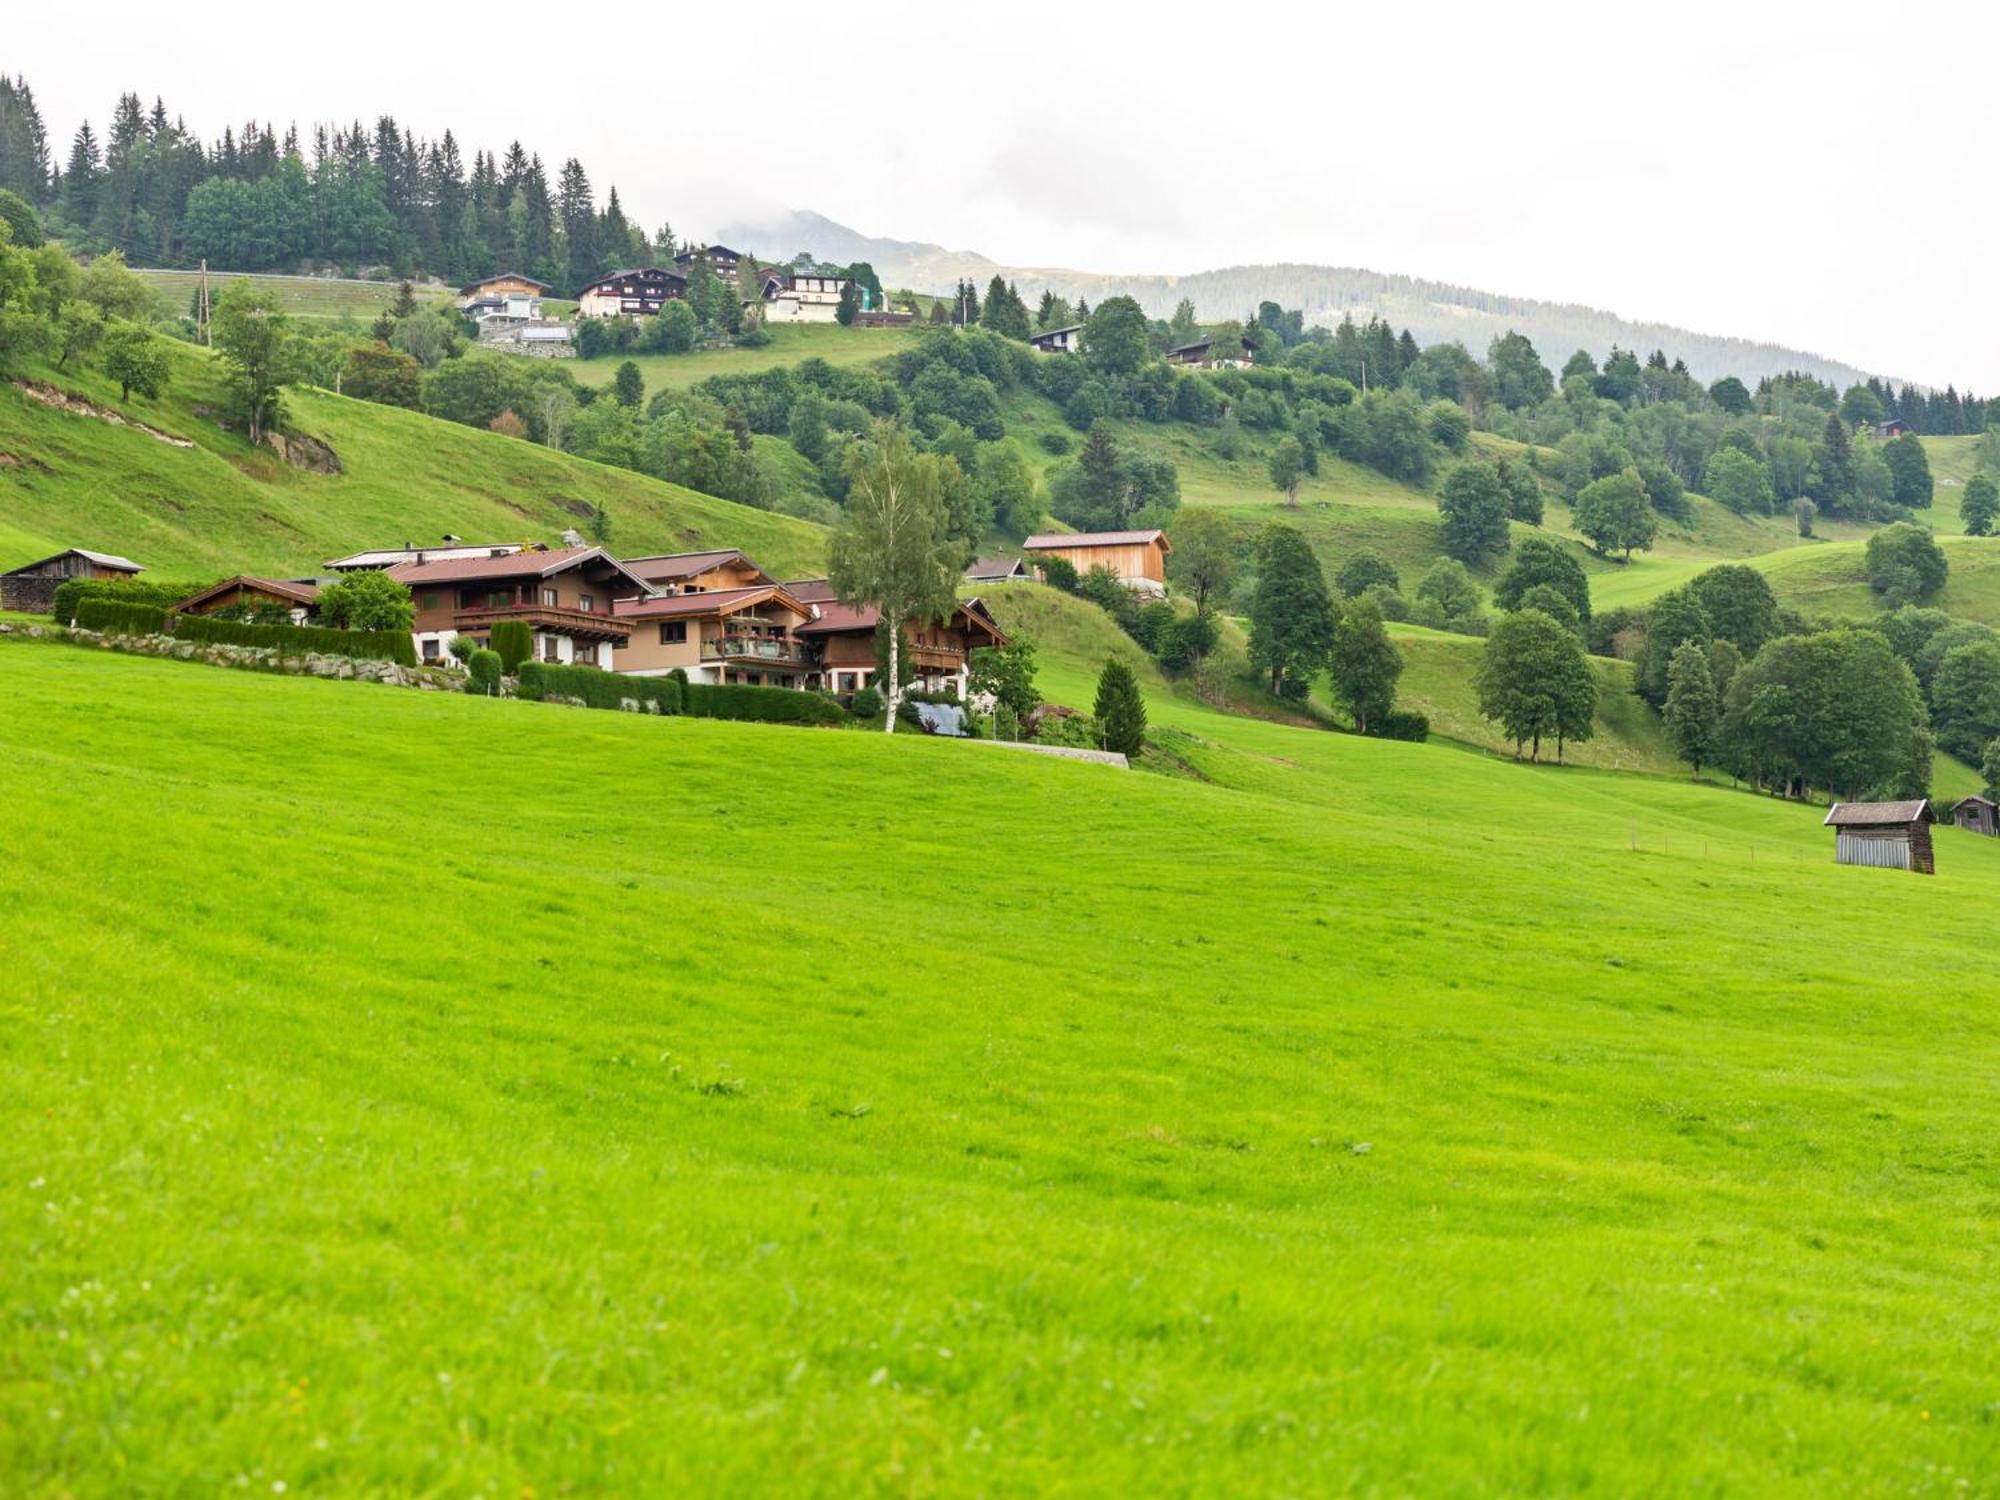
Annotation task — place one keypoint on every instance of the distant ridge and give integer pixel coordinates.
(1433, 311)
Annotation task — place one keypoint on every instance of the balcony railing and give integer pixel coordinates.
(753, 648)
(553, 617)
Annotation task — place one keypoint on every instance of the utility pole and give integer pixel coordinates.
(201, 307)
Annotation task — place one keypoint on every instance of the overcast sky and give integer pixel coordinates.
(1825, 176)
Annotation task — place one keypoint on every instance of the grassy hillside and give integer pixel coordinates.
(789, 345)
(315, 298)
(220, 506)
(450, 1158)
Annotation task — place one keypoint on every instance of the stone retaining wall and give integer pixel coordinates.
(30, 596)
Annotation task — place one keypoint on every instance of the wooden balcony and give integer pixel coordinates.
(777, 651)
(581, 625)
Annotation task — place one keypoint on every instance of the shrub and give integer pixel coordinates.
(117, 617)
(1402, 724)
(1059, 573)
(867, 704)
(484, 664)
(513, 641)
(1071, 731)
(73, 591)
(764, 705)
(297, 640)
(1054, 442)
(596, 688)
(461, 647)
(1154, 624)
(1186, 641)
(366, 600)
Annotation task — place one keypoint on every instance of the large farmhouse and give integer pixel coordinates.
(802, 296)
(565, 595)
(721, 259)
(639, 293)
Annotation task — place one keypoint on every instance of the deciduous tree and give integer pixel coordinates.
(1363, 663)
(1291, 617)
(1692, 712)
(1472, 506)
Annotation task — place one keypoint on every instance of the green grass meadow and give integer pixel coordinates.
(410, 1093)
(317, 299)
(790, 345)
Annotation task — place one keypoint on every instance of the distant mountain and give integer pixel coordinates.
(1433, 311)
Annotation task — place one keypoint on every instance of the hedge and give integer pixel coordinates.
(597, 687)
(71, 593)
(116, 617)
(297, 640)
(601, 689)
(765, 705)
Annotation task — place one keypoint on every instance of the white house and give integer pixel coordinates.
(1059, 340)
(802, 296)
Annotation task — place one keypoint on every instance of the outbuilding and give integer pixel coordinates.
(1977, 815)
(31, 587)
(1884, 835)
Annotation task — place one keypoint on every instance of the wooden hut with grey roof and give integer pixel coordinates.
(1884, 835)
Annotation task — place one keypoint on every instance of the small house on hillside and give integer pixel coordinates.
(1137, 558)
(31, 587)
(1884, 835)
(503, 286)
(1059, 340)
(998, 570)
(721, 259)
(802, 296)
(1977, 815)
(1895, 427)
(251, 598)
(638, 293)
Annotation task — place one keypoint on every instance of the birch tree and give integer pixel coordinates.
(891, 548)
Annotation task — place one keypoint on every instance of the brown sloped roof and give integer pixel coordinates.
(836, 618)
(812, 590)
(1877, 814)
(299, 591)
(990, 569)
(515, 565)
(1094, 539)
(664, 567)
(711, 602)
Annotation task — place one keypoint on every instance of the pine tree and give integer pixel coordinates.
(1119, 711)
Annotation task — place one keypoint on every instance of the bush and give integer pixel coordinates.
(1055, 442)
(117, 617)
(1071, 731)
(596, 688)
(763, 705)
(1186, 641)
(485, 667)
(461, 647)
(73, 591)
(1402, 724)
(513, 641)
(1059, 573)
(867, 704)
(297, 640)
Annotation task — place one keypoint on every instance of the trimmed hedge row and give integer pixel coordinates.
(1402, 724)
(669, 695)
(297, 640)
(765, 705)
(597, 687)
(118, 617)
(71, 593)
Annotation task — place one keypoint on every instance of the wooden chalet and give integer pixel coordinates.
(724, 261)
(843, 636)
(725, 635)
(1977, 815)
(698, 572)
(565, 595)
(1059, 340)
(506, 284)
(802, 296)
(1137, 558)
(1884, 835)
(1895, 427)
(639, 293)
(247, 597)
(32, 586)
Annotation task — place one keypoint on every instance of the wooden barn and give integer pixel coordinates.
(1884, 835)
(1977, 815)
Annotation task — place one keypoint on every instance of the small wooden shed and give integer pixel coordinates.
(1884, 835)
(1977, 815)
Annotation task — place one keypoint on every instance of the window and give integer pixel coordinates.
(587, 604)
(673, 632)
(430, 648)
(549, 652)
(549, 598)
(429, 601)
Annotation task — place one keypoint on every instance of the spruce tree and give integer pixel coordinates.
(1120, 711)
(1692, 712)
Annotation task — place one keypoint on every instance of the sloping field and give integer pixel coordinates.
(706, 1108)
(320, 298)
(220, 506)
(790, 345)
